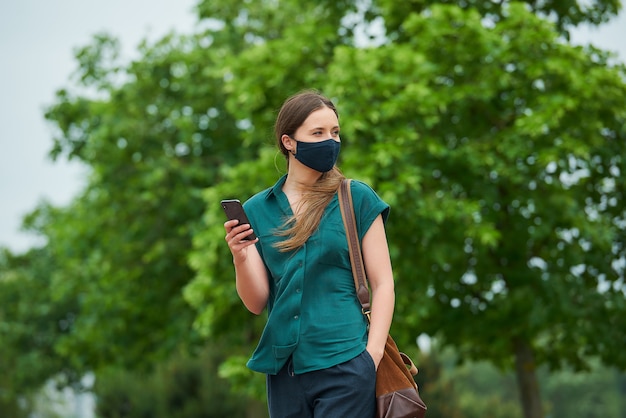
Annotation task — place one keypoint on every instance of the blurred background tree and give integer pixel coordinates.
(499, 146)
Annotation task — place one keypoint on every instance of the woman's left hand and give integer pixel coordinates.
(376, 356)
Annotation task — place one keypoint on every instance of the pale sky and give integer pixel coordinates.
(37, 39)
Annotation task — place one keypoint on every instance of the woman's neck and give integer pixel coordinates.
(299, 181)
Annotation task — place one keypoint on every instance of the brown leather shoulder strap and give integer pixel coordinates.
(356, 258)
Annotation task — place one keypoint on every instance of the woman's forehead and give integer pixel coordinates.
(322, 118)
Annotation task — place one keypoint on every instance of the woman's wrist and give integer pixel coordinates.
(376, 354)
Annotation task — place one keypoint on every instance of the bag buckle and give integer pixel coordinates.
(367, 313)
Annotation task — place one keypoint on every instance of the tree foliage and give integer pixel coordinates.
(152, 143)
(564, 14)
(30, 324)
(181, 387)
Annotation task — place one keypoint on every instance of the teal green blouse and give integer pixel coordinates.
(313, 313)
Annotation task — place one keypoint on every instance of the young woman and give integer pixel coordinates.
(317, 350)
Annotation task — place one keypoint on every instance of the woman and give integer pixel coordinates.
(317, 350)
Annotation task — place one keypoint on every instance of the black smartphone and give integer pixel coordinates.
(234, 210)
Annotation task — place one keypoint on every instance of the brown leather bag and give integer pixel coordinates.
(397, 395)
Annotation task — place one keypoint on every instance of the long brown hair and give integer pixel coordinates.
(291, 116)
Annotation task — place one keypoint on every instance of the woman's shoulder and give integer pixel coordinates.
(361, 189)
(367, 201)
(261, 198)
(258, 198)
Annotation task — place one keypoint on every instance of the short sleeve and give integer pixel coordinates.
(367, 206)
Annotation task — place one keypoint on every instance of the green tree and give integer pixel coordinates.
(595, 393)
(151, 142)
(565, 14)
(31, 320)
(478, 389)
(499, 147)
(184, 386)
(501, 150)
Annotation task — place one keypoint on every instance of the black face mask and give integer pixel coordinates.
(320, 156)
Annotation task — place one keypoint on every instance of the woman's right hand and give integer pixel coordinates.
(251, 276)
(235, 235)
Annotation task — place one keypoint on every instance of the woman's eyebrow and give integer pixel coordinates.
(322, 128)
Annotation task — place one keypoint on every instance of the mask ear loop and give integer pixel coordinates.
(278, 170)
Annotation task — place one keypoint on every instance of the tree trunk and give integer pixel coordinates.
(525, 369)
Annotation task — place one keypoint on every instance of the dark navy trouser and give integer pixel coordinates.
(347, 390)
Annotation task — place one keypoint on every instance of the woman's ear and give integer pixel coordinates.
(288, 143)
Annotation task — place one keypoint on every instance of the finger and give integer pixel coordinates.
(231, 223)
(243, 237)
(241, 228)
